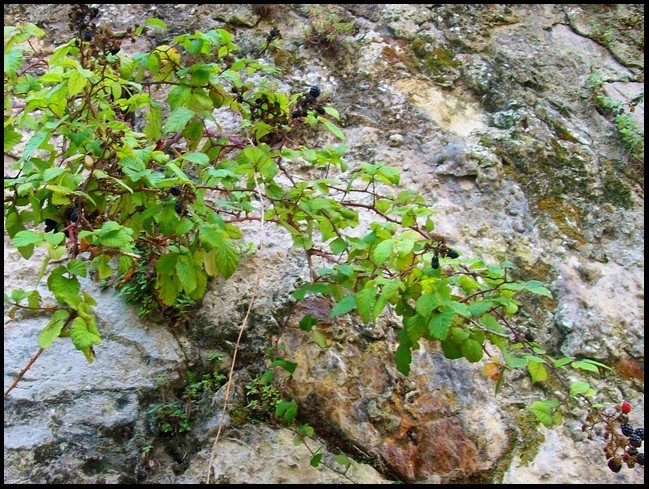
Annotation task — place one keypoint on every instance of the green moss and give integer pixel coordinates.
(615, 191)
(530, 435)
(566, 216)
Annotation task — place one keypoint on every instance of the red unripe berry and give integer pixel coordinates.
(625, 407)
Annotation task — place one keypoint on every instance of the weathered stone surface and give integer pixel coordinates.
(500, 131)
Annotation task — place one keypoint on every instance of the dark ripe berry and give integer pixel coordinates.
(87, 36)
(314, 92)
(639, 459)
(50, 225)
(320, 110)
(625, 407)
(529, 336)
(434, 263)
(614, 465)
(632, 451)
(635, 441)
(179, 207)
(72, 215)
(452, 253)
(296, 113)
(627, 429)
(640, 433)
(114, 50)
(175, 190)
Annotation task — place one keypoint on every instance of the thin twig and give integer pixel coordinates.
(244, 322)
(24, 371)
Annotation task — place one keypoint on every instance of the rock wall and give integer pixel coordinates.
(487, 112)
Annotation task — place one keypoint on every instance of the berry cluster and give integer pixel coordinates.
(442, 250)
(82, 20)
(626, 440)
(308, 101)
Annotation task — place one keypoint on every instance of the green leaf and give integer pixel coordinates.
(64, 289)
(285, 364)
(332, 128)
(12, 61)
(451, 350)
(178, 119)
(343, 460)
(53, 328)
(186, 273)
(302, 290)
(440, 324)
(286, 410)
(76, 83)
(168, 290)
(197, 158)
(307, 322)
(153, 127)
(346, 305)
(337, 246)
(332, 112)
(155, 22)
(383, 251)
(425, 305)
(403, 356)
(543, 412)
(320, 338)
(563, 361)
(536, 287)
(471, 350)
(460, 308)
(365, 300)
(166, 264)
(578, 387)
(77, 267)
(584, 365)
(316, 459)
(11, 138)
(538, 371)
(26, 238)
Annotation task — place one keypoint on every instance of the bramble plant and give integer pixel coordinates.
(124, 172)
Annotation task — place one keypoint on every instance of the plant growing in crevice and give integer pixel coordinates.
(126, 171)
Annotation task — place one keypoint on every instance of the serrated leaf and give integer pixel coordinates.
(77, 267)
(472, 350)
(178, 119)
(441, 323)
(209, 262)
(26, 238)
(197, 158)
(11, 138)
(425, 305)
(153, 127)
(460, 308)
(302, 290)
(337, 246)
(168, 290)
(64, 289)
(346, 305)
(186, 273)
(155, 22)
(84, 333)
(542, 412)
(538, 371)
(365, 300)
(53, 328)
(383, 251)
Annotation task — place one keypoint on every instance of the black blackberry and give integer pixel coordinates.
(87, 36)
(175, 190)
(639, 432)
(73, 215)
(51, 225)
(452, 253)
(314, 92)
(639, 459)
(614, 465)
(179, 207)
(434, 263)
(320, 110)
(297, 113)
(627, 429)
(635, 441)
